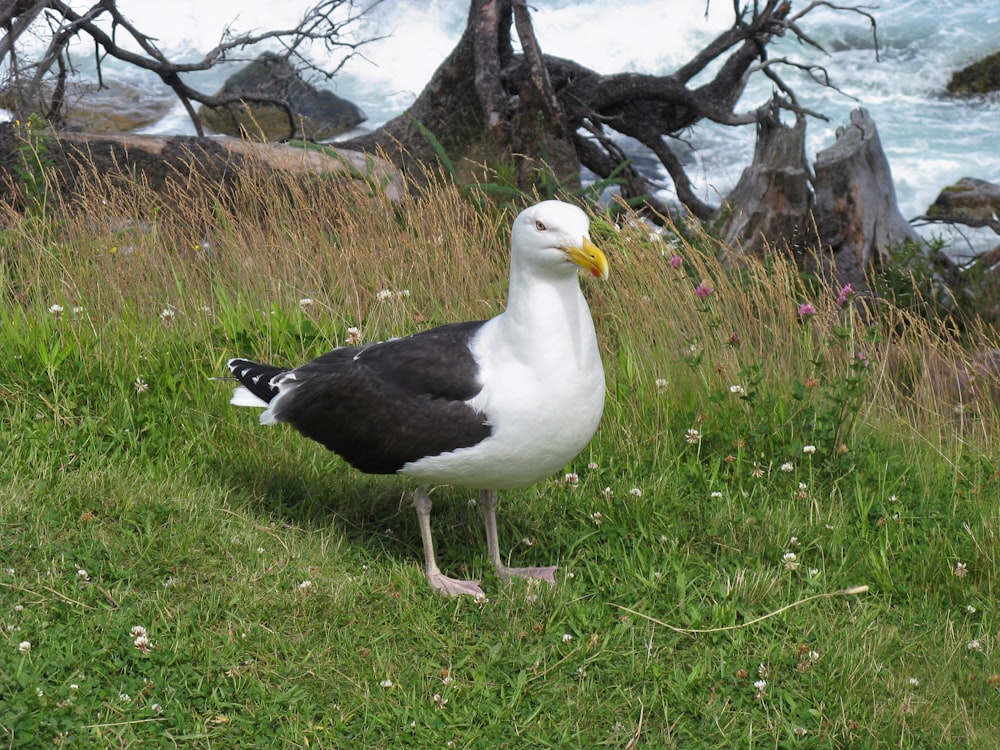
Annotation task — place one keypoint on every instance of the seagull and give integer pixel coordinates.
(490, 404)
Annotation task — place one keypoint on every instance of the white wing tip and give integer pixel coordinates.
(243, 397)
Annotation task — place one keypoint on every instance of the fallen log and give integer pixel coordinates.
(67, 159)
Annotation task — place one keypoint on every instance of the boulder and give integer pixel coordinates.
(969, 201)
(982, 77)
(317, 115)
(112, 108)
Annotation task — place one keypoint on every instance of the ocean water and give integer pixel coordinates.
(930, 140)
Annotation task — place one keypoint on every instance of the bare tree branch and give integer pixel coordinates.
(319, 24)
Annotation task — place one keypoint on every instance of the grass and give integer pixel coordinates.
(750, 458)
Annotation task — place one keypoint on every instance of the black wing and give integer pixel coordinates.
(256, 377)
(383, 405)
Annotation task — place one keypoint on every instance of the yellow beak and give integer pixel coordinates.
(589, 256)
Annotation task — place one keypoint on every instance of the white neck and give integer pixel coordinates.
(546, 309)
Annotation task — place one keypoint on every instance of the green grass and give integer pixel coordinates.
(134, 495)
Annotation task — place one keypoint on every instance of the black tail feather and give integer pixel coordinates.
(256, 377)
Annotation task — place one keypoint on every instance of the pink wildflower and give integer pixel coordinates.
(676, 261)
(702, 291)
(806, 309)
(845, 294)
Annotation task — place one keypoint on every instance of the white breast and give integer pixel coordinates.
(543, 393)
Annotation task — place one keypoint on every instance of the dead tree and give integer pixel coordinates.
(486, 104)
(40, 85)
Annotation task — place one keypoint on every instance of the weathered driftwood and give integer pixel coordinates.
(156, 161)
(856, 215)
(771, 202)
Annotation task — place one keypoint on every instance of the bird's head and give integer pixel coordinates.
(554, 236)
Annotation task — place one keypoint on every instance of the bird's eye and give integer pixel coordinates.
(540, 226)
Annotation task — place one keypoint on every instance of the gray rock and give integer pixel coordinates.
(969, 201)
(982, 77)
(112, 108)
(318, 114)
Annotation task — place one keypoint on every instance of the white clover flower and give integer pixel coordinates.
(383, 294)
(81, 573)
(137, 631)
(661, 384)
(74, 686)
(124, 697)
(716, 495)
(24, 647)
(787, 467)
(386, 683)
(56, 310)
(156, 708)
(760, 685)
(913, 682)
(970, 609)
(353, 335)
(813, 655)
(306, 585)
(592, 465)
(141, 386)
(78, 309)
(572, 478)
(789, 561)
(961, 570)
(608, 492)
(974, 645)
(693, 436)
(142, 643)
(635, 492)
(306, 302)
(809, 449)
(793, 542)
(166, 316)
(739, 390)
(566, 637)
(19, 608)
(597, 517)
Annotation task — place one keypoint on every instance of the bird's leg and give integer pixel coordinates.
(445, 585)
(488, 503)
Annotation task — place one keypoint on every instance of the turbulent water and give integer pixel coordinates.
(930, 140)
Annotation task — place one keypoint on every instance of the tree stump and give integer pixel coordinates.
(770, 204)
(856, 215)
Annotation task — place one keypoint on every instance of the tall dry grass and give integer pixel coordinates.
(118, 248)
